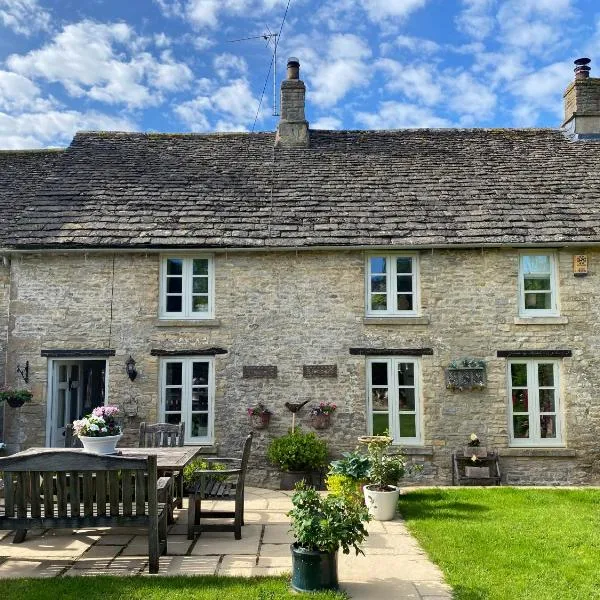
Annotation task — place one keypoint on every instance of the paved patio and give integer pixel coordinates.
(394, 566)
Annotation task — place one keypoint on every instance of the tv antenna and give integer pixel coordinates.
(270, 38)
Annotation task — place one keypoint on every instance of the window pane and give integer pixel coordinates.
(538, 263)
(537, 283)
(199, 303)
(174, 266)
(521, 426)
(174, 370)
(404, 283)
(520, 401)
(174, 303)
(62, 401)
(546, 375)
(200, 373)
(406, 400)
(200, 266)
(408, 426)
(518, 374)
(405, 302)
(200, 285)
(199, 425)
(547, 403)
(378, 283)
(379, 373)
(175, 418)
(404, 264)
(174, 285)
(199, 399)
(173, 399)
(380, 424)
(380, 399)
(406, 374)
(538, 301)
(378, 302)
(378, 265)
(548, 426)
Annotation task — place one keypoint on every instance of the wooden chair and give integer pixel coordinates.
(164, 435)
(57, 489)
(227, 484)
(71, 440)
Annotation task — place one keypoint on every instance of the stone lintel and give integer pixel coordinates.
(391, 351)
(539, 452)
(190, 352)
(534, 353)
(73, 353)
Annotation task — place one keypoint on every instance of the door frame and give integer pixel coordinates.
(50, 387)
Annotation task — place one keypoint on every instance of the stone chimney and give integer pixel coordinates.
(582, 104)
(292, 131)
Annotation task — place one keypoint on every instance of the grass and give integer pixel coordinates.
(155, 588)
(505, 544)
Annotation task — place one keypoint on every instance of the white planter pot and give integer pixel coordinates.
(100, 445)
(381, 505)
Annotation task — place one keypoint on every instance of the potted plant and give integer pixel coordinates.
(476, 468)
(259, 416)
(99, 431)
(298, 455)
(474, 447)
(348, 475)
(320, 416)
(321, 525)
(15, 397)
(382, 491)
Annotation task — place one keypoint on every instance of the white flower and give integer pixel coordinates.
(104, 430)
(474, 437)
(94, 427)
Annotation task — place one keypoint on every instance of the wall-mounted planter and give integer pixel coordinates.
(320, 421)
(260, 421)
(466, 374)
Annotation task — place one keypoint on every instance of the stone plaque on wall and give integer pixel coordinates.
(260, 372)
(312, 371)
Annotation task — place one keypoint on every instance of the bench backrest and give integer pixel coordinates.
(161, 435)
(72, 484)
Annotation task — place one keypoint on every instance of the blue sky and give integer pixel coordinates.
(168, 65)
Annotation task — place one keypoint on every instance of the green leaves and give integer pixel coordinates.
(298, 451)
(354, 464)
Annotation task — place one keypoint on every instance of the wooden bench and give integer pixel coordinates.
(75, 489)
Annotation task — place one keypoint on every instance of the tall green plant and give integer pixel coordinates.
(298, 451)
(386, 469)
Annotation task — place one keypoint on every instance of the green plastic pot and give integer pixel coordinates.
(313, 570)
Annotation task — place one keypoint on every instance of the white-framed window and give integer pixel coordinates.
(392, 286)
(538, 287)
(186, 287)
(394, 398)
(534, 402)
(187, 394)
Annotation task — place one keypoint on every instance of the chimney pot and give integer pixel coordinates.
(582, 70)
(293, 68)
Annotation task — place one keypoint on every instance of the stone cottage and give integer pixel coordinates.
(357, 267)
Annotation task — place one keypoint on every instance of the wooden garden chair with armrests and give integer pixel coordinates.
(227, 484)
(165, 435)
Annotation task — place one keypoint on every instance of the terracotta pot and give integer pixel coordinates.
(320, 421)
(260, 421)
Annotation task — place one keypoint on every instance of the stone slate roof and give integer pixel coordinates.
(21, 174)
(406, 188)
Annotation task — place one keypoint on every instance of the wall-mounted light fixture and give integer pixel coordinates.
(130, 367)
(24, 371)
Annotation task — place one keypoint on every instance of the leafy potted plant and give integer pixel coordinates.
(99, 431)
(298, 455)
(476, 468)
(382, 491)
(320, 416)
(259, 416)
(474, 447)
(321, 525)
(15, 397)
(348, 475)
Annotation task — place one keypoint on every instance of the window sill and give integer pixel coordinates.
(556, 452)
(188, 323)
(416, 450)
(395, 320)
(541, 320)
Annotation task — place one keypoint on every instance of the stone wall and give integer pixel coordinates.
(4, 296)
(294, 309)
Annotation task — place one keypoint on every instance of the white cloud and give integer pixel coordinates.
(416, 83)
(39, 129)
(193, 113)
(399, 115)
(17, 93)
(338, 14)
(476, 18)
(381, 10)
(328, 123)
(468, 97)
(103, 62)
(417, 45)
(24, 16)
(226, 64)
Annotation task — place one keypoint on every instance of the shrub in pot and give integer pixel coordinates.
(321, 525)
(15, 397)
(348, 475)
(297, 455)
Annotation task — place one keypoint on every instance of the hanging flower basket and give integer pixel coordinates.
(260, 421)
(15, 398)
(322, 421)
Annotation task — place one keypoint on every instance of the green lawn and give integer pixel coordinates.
(510, 543)
(155, 588)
